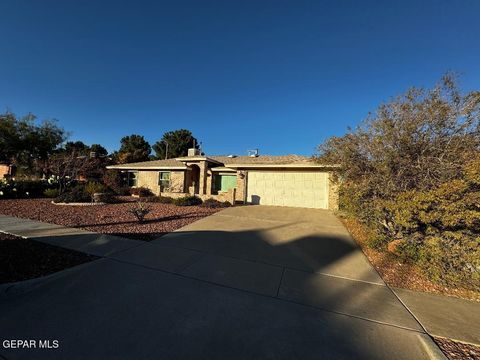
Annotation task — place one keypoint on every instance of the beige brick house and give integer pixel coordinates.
(289, 180)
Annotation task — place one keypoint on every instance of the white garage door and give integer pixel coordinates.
(288, 188)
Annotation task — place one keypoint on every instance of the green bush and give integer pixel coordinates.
(74, 195)
(18, 189)
(93, 187)
(123, 191)
(160, 199)
(141, 192)
(107, 198)
(187, 201)
(214, 204)
(51, 193)
(440, 228)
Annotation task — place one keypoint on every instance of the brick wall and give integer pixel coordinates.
(149, 179)
(177, 181)
(240, 190)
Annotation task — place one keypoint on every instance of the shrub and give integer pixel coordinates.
(113, 181)
(407, 173)
(141, 192)
(31, 188)
(440, 228)
(123, 191)
(93, 187)
(140, 210)
(187, 201)
(107, 198)
(214, 204)
(160, 199)
(73, 195)
(51, 193)
(13, 189)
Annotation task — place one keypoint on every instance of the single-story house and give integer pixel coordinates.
(289, 180)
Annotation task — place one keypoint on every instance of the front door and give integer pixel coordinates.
(195, 178)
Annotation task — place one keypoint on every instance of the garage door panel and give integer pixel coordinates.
(288, 188)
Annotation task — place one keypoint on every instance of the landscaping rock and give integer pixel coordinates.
(109, 218)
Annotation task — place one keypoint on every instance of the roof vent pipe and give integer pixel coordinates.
(252, 153)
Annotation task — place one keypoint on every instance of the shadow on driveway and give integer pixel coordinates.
(272, 290)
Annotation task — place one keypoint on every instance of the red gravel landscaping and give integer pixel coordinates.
(455, 350)
(107, 219)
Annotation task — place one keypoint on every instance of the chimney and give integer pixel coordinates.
(193, 152)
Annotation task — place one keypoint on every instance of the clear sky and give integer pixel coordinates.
(280, 76)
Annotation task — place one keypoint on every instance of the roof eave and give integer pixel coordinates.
(273, 166)
(222, 168)
(123, 167)
(197, 158)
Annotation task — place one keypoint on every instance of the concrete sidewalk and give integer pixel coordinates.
(70, 238)
(445, 316)
(230, 276)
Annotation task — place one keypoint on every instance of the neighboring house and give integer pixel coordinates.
(7, 170)
(289, 180)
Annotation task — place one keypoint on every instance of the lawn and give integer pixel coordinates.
(22, 259)
(108, 219)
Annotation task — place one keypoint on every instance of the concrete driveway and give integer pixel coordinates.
(252, 282)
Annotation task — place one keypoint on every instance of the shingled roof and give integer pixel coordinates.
(264, 160)
(226, 160)
(149, 164)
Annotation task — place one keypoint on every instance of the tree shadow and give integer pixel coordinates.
(146, 221)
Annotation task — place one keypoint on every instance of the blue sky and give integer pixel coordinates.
(280, 76)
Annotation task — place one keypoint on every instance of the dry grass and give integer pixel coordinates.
(397, 273)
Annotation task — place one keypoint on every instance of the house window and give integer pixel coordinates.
(164, 180)
(225, 182)
(129, 178)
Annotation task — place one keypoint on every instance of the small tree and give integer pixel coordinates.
(140, 210)
(77, 147)
(67, 168)
(417, 141)
(26, 143)
(133, 148)
(178, 142)
(99, 150)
